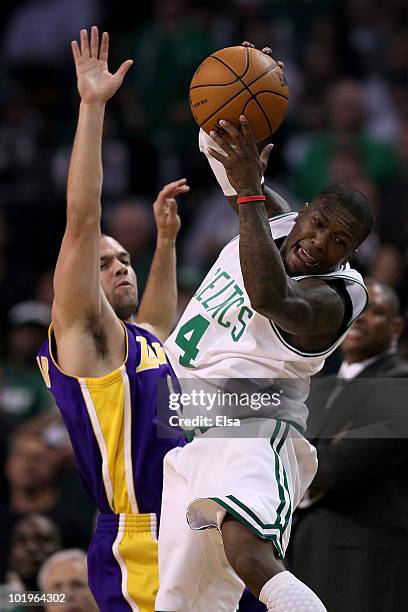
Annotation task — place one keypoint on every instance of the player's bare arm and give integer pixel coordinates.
(310, 307)
(90, 338)
(158, 306)
(275, 205)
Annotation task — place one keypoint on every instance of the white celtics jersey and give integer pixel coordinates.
(220, 336)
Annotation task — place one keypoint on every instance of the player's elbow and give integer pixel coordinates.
(290, 318)
(260, 303)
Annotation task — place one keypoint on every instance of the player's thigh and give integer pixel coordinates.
(194, 573)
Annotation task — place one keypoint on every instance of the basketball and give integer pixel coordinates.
(239, 81)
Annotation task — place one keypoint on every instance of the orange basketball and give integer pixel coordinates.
(239, 81)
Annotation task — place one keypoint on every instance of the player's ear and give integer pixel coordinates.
(303, 209)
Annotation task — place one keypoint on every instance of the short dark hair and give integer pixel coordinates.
(389, 294)
(355, 202)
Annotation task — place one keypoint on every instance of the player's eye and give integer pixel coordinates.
(340, 242)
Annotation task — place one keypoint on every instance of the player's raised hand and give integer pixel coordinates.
(240, 158)
(95, 83)
(165, 209)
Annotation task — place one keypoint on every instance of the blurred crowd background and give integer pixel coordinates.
(346, 63)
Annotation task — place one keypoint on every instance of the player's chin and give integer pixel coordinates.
(126, 306)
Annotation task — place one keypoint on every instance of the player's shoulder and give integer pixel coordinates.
(142, 329)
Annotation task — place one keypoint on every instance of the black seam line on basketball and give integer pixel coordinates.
(237, 77)
(274, 93)
(229, 67)
(260, 108)
(246, 87)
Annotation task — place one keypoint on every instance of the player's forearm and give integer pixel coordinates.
(85, 168)
(262, 268)
(159, 303)
(275, 204)
(272, 292)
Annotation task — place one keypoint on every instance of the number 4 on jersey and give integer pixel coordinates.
(188, 337)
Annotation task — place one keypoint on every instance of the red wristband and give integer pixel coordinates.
(257, 198)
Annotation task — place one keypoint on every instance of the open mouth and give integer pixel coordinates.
(306, 257)
(124, 284)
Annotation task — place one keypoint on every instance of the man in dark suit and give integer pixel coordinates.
(349, 542)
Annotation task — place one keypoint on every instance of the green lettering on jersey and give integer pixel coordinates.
(191, 332)
(218, 276)
(237, 332)
(188, 337)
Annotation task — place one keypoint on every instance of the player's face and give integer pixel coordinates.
(375, 329)
(118, 279)
(324, 236)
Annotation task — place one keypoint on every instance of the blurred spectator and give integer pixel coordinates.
(66, 572)
(345, 128)
(393, 215)
(33, 470)
(354, 522)
(33, 539)
(397, 67)
(22, 129)
(346, 167)
(14, 280)
(23, 394)
(389, 267)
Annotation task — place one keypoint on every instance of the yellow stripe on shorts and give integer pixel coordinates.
(136, 552)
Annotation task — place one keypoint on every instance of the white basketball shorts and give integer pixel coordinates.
(259, 480)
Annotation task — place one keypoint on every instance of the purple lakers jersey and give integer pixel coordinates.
(113, 423)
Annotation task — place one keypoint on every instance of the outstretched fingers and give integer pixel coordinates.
(265, 153)
(122, 70)
(231, 130)
(104, 50)
(218, 156)
(173, 189)
(221, 142)
(94, 49)
(76, 54)
(247, 132)
(84, 44)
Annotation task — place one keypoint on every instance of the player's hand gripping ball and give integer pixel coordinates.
(240, 81)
